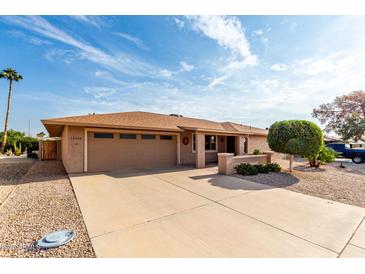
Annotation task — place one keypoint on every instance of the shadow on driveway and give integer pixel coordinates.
(229, 182)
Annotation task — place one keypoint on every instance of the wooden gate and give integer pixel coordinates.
(49, 150)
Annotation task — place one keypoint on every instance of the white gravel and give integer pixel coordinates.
(42, 201)
(345, 185)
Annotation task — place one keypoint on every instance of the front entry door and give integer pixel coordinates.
(49, 150)
(231, 144)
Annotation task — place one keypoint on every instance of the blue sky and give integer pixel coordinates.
(249, 69)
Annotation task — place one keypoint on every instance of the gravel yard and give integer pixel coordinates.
(345, 185)
(11, 172)
(41, 202)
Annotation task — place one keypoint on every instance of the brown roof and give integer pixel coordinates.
(147, 120)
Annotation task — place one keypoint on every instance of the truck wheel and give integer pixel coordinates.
(357, 160)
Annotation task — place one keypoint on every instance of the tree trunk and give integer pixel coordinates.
(7, 117)
(313, 162)
(291, 158)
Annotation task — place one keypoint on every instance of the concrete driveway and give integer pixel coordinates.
(187, 212)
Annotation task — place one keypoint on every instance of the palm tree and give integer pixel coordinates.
(11, 75)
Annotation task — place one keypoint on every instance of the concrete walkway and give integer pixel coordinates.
(186, 212)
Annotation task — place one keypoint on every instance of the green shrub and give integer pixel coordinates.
(17, 150)
(246, 169)
(326, 155)
(9, 152)
(262, 168)
(18, 137)
(274, 167)
(296, 137)
(256, 151)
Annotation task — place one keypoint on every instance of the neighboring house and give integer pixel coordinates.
(104, 142)
(331, 139)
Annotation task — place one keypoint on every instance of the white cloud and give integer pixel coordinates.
(186, 67)
(279, 67)
(102, 73)
(333, 63)
(165, 73)
(133, 40)
(218, 81)
(180, 23)
(239, 65)
(257, 32)
(227, 31)
(88, 19)
(124, 63)
(64, 55)
(29, 38)
(99, 92)
(265, 84)
(292, 26)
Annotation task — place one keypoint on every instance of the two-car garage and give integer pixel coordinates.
(108, 151)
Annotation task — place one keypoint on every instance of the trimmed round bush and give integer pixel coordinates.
(296, 137)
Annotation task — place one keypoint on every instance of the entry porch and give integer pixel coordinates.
(206, 143)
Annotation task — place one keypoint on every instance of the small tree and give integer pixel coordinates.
(345, 115)
(296, 137)
(41, 134)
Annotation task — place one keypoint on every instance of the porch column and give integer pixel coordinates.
(85, 149)
(240, 145)
(178, 161)
(199, 150)
(245, 147)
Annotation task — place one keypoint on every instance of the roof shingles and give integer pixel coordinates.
(147, 120)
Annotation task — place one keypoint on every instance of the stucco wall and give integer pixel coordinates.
(259, 142)
(64, 149)
(187, 156)
(73, 149)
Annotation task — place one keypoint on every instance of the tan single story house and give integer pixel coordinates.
(134, 140)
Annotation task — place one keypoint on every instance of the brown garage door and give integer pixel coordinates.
(114, 151)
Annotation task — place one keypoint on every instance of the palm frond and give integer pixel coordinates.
(11, 74)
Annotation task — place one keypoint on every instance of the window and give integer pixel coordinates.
(127, 136)
(100, 135)
(165, 137)
(194, 142)
(210, 143)
(148, 137)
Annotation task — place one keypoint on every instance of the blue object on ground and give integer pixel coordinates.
(56, 239)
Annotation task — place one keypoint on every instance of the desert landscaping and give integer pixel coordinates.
(342, 184)
(36, 198)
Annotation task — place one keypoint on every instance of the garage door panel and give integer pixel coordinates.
(116, 153)
(100, 153)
